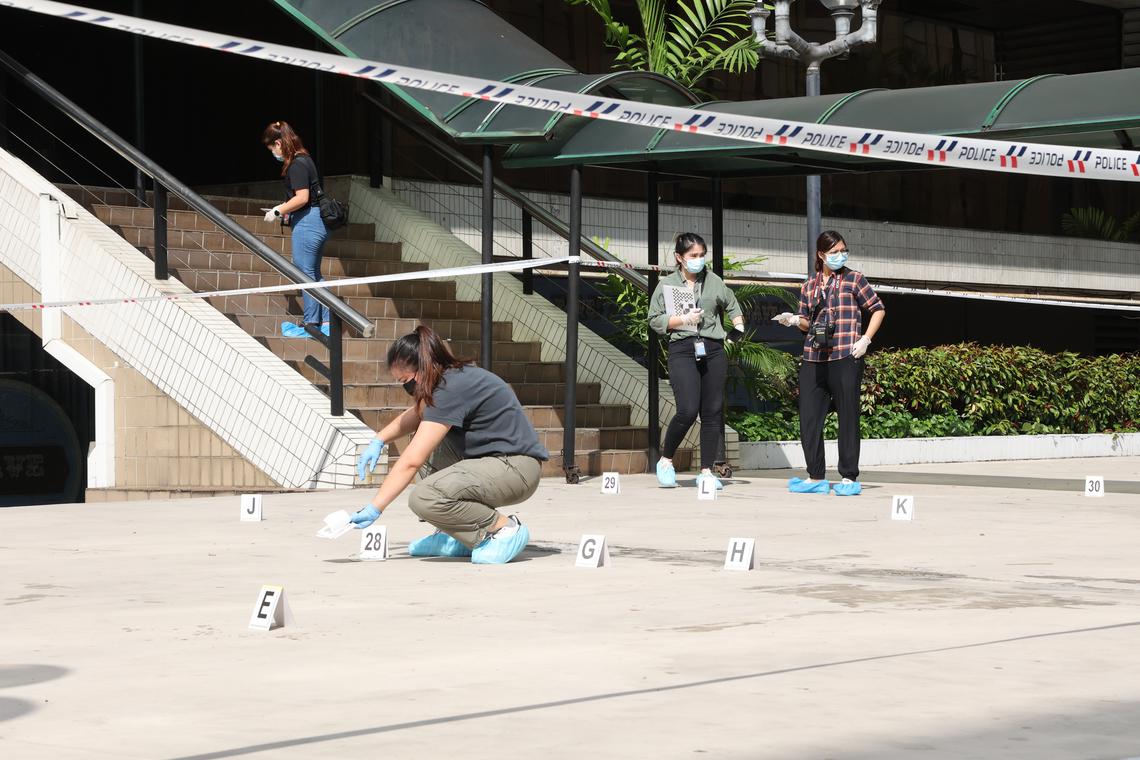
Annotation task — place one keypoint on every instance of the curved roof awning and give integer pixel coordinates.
(467, 37)
(1090, 110)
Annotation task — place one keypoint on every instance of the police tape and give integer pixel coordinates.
(428, 274)
(907, 147)
(669, 269)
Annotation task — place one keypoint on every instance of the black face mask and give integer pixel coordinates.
(410, 387)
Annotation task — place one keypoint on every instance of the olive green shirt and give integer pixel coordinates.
(716, 300)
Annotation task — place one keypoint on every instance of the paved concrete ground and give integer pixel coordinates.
(1001, 623)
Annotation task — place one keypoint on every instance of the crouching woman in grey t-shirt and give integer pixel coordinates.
(473, 438)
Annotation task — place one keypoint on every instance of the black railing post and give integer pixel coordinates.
(569, 427)
(652, 233)
(375, 142)
(488, 283)
(336, 365)
(161, 268)
(718, 226)
(4, 110)
(527, 250)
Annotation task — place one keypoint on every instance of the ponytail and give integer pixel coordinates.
(291, 145)
(429, 356)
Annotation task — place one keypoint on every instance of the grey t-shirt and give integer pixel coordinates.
(486, 412)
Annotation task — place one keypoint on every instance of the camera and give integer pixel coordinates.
(822, 334)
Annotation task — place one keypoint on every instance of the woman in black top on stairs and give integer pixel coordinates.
(301, 211)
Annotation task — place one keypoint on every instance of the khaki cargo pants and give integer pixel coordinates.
(459, 496)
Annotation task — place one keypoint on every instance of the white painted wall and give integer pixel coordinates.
(216, 371)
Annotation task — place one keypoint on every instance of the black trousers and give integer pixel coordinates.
(821, 384)
(698, 387)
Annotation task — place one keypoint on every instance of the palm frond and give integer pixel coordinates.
(1092, 223)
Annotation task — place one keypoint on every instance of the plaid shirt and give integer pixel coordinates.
(842, 298)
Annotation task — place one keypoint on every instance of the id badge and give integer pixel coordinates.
(699, 349)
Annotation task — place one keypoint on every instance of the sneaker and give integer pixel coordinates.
(719, 485)
(666, 475)
(503, 545)
(290, 330)
(799, 485)
(848, 487)
(438, 544)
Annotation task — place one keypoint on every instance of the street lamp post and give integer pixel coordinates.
(788, 44)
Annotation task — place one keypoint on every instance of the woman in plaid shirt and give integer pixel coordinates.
(831, 313)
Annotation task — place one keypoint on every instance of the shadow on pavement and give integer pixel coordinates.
(371, 731)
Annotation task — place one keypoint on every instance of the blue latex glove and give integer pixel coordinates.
(367, 515)
(368, 460)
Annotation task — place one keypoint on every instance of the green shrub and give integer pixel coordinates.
(967, 389)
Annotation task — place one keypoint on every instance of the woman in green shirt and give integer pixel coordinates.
(697, 362)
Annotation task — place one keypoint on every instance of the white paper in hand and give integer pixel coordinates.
(336, 525)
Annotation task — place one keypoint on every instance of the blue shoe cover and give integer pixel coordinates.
(325, 329)
(847, 488)
(666, 475)
(438, 544)
(290, 330)
(719, 485)
(799, 485)
(499, 550)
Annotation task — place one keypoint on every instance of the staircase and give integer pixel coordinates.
(206, 259)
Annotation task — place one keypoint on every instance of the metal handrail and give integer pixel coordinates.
(536, 211)
(141, 162)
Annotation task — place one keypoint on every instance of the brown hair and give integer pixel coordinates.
(291, 145)
(429, 355)
(825, 243)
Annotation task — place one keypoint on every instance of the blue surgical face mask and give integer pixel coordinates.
(695, 265)
(279, 157)
(835, 261)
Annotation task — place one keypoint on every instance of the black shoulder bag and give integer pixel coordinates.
(333, 213)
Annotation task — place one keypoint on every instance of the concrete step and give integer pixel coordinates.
(586, 415)
(390, 394)
(246, 213)
(370, 349)
(364, 372)
(331, 265)
(269, 325)
(265, 304)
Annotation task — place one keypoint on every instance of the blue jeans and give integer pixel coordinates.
(309, 236)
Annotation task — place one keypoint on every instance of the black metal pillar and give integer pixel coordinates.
(569, 423)
(718, 226)
(161, 270)
(319, 122)
(527, 251)
(140, 119)
(375, 140)
(652, 236)
(813, 190)
(336, 365)
(486, 322)
(718, 267)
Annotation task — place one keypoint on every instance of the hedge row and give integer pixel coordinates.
(968, 389)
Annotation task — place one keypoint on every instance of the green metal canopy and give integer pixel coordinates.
(466, 37)
(1091, 110)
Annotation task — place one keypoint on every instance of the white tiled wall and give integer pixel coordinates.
(880, 249)
(268, 413)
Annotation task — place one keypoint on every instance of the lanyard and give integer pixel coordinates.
(824, 293)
